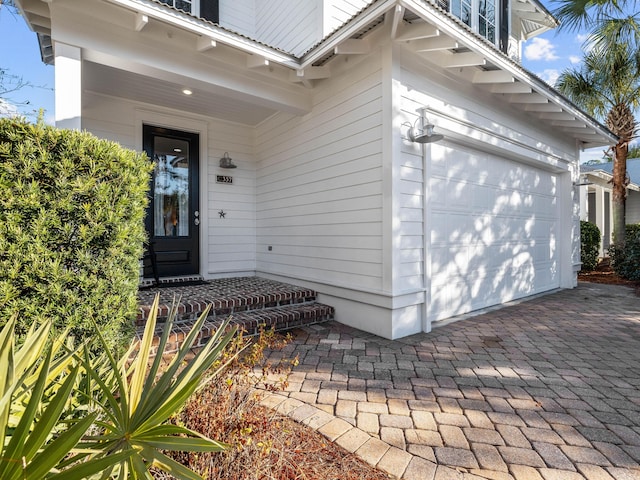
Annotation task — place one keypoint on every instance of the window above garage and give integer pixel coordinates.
(207, 9)
(481, 15)
(502, 22)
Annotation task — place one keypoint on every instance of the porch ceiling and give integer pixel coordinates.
(111, 81)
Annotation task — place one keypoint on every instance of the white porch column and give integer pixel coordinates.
(584, 203)
(600, 208)
(68, 85)
(610, 218)
(567, 240)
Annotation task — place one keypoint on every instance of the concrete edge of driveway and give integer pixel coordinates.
(392, 460)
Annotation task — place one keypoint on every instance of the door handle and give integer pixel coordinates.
(196, 220)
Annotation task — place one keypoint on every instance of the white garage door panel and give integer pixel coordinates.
(494, 225)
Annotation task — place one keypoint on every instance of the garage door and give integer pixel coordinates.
(494, 230)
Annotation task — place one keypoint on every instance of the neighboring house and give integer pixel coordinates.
(596, 198)
(312, 101)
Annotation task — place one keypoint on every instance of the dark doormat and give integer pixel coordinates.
(174, 284)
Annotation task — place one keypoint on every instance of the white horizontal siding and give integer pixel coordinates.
(319, 186)
(239, 16)
(290, 25)
(111, 119)
(411, 217)
(232, 239)
(633, 207)
(337, 12)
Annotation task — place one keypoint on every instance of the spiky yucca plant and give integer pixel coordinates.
(68, 415)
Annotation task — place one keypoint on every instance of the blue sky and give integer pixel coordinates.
(20, 54)
(546, 55)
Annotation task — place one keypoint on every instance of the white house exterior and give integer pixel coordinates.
(596, 198)
(313, 100)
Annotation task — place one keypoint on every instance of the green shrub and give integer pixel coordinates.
(626, 260)
(71, 228)
(589, 245)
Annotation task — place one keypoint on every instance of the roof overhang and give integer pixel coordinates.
(607, 178)
(492, 70)
(433, 32)
(534, 17)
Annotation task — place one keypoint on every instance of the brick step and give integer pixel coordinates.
(279, 318)
(251, 302)
(228, 296)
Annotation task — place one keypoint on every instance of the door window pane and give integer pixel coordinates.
(171, 188)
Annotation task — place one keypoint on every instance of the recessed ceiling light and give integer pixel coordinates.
(186, 91)
(177, 150)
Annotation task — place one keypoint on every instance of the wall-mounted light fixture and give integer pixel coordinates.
(226, 162)
(422, 130)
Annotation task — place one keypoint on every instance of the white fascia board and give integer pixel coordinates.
(540, 7)
(449, 27)
(601, 174)
(192, 24)
(607, 177)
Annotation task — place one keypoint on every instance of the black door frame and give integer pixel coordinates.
(175, 256)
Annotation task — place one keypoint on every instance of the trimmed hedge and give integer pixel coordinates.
(72, 212)
(589, 245)
(626, 261)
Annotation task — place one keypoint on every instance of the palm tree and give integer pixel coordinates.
(609, 22)
(607, 86)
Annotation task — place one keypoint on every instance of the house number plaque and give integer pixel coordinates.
(224, 179)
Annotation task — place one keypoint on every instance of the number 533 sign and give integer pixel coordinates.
(224, 179)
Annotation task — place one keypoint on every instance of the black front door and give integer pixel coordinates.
(173, 216)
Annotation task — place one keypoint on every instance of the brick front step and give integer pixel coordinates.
(279, 318)
(227, 295)
(251, 302)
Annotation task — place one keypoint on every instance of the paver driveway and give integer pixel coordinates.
(545, 389)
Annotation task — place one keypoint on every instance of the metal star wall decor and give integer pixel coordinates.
(222, 213)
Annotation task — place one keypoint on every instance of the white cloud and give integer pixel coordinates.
(8, 109)
(540, 49)
(582, 37)
(550, 75)
(574, 59)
